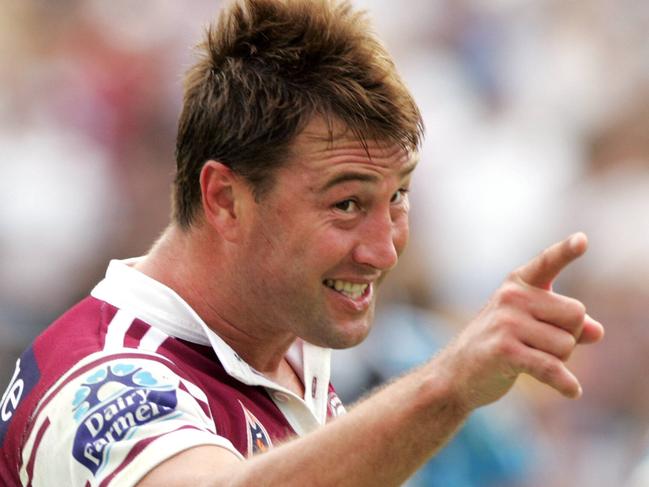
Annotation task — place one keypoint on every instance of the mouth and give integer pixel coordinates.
(351, 290)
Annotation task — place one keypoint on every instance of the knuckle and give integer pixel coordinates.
(510, 294)
(505, 326)
(549, 370)
(569, 342)
(573, 315)
(506, 347)
(575, 312)
(514, 275)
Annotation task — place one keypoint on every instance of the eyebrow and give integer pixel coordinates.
(363, 177)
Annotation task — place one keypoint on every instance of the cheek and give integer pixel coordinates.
(285, 251)
(401, 234)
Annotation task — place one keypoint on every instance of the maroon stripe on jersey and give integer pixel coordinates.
(137, 449)
(32, 455)
(135, 333)
(108, 312)
(204, 406)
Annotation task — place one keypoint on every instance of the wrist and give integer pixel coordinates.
(441, 389)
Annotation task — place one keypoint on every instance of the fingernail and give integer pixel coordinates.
(577, 241)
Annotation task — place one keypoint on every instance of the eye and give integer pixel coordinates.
(346, 206)
(399, 196)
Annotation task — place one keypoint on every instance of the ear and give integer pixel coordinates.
(222, 193)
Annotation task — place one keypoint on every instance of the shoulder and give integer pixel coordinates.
(93, 392)
(104, 412)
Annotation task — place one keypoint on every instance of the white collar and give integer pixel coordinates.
(161, 307)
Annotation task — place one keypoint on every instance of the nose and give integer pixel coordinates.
(380, 242)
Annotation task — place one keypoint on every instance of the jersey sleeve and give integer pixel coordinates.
(113, 419)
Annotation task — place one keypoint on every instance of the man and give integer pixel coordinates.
(295, 151)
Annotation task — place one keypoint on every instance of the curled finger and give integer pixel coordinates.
(548, 338)
(551, 371)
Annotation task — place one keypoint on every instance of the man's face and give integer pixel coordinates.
(321, 240)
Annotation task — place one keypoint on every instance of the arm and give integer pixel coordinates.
(525, 328)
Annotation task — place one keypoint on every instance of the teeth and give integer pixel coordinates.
(347, 288)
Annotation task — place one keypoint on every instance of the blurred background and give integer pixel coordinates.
(537, 116)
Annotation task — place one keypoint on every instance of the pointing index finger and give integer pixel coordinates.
(545, 267)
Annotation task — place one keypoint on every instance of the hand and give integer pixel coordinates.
(524, 328)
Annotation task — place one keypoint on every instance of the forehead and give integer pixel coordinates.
(324, 149)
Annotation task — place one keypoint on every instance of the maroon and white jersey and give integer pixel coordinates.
(130, 377)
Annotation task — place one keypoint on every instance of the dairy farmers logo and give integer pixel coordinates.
(111, 404)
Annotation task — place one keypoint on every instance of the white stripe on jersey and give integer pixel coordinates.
(195, 391)
(152, 339)
(198, 394)
(117, 329)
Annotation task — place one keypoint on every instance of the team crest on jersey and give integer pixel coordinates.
(111, 404)
(258, 437)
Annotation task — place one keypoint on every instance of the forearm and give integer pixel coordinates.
(525, 327)
(382, 441)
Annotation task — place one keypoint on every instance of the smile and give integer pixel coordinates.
(350, 289)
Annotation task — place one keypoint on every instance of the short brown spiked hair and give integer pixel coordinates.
(267, 67)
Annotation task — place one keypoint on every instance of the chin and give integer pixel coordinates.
(344, 344)
(329, 330)
(345, 335)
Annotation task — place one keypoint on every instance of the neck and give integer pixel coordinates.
(196, 266)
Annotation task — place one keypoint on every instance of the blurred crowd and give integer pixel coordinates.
(537, 117)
